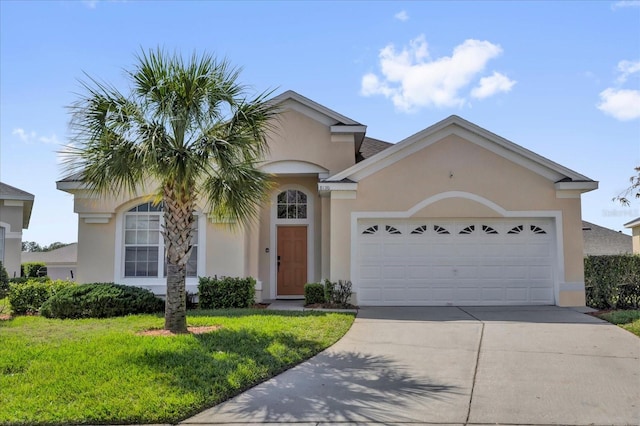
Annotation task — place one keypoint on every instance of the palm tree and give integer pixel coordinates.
(187, 129)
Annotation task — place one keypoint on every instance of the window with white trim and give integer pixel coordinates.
(292, 204)
(144, 244)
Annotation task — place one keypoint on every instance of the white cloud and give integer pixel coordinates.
(411, 79)
(625, 3)
(402, 16)
(489, 86)
(621, 104)
(24, 136)
(627, 68)
(32, 137)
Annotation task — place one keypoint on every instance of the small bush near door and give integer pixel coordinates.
(226, 292)
(338, 293)
(313, 293)
(612, 282)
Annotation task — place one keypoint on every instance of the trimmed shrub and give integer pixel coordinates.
(22, 280)
(28, 297)
(30, 269)
(226, 292)
(4, 282)
(314, 293)
(101, 300)
(338, 293)
(612, 282)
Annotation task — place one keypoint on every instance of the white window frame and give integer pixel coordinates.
(155, 283)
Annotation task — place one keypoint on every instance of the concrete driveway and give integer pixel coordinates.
(449, 365)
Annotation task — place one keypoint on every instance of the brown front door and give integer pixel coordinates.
(292, 260)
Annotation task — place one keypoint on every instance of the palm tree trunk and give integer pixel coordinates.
(178, 221)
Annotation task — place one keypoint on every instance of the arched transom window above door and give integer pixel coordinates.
(292, 204)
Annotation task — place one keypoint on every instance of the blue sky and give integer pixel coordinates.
(559, 78)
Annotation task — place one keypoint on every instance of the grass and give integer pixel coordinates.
(627, 319)
(101, 371)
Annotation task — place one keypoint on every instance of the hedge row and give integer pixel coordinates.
(28, 297)
(612, 282)
(101, 300)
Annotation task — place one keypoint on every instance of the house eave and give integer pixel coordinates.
(582, 186)
(632, 224)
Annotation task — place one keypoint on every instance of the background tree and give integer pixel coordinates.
(632, 191)
(34, 247)
(187, 131)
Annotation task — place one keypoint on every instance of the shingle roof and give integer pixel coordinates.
(599, 240)
(371, 147)
(8, 192)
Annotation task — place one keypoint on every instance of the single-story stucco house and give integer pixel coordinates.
(599, 240)
(15, 212)
(634, 225)
(452, 215)
(61, 262)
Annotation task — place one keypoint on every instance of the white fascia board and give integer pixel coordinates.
(70, 186)
(584, 186)
(633, 223)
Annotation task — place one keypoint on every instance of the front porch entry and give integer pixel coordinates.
(291, 260)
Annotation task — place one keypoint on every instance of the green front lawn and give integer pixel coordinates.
(102, 371)
(627, 319)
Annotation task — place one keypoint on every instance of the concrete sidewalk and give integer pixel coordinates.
(521, 365)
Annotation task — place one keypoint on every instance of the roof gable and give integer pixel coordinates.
(306, 106)
(474, 134)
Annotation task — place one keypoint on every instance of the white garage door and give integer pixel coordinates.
(462, 262)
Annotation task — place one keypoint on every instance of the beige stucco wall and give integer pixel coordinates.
(96, 252)
(454, 164)
(635, 238)
(11, 217)
(301, 138)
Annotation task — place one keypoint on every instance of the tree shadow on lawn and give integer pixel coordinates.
(217, 366)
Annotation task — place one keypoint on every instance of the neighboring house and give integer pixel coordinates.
(452, 215)
(15, 213)
(634, 225)
(61, 262)
(599, 240)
